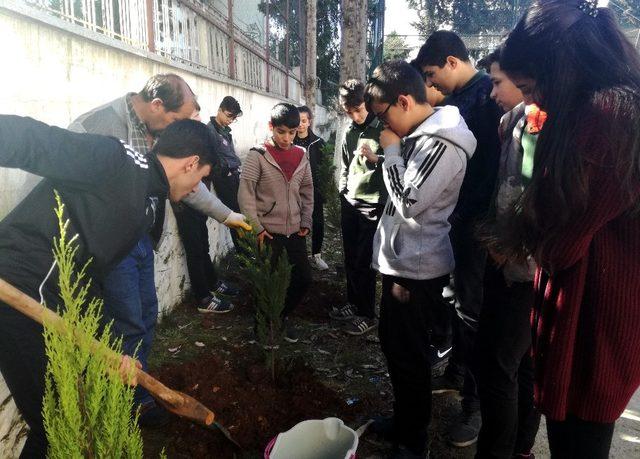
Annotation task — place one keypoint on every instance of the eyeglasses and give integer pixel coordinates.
(232, 117)
(382, 116)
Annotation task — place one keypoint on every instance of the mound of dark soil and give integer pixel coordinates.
(246, 400)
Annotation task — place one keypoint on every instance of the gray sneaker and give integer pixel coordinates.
(346, 312)
(360, 325)
(465, 430)
(224, 288)
(215, 305)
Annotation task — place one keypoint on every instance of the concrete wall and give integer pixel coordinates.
(54, 71)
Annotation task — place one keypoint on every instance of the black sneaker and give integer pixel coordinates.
(215, 305)
(290, 333)
(346, 312)
(360, 325)
(446, 383)
(153, 416)
(223, 288)
(464, 432)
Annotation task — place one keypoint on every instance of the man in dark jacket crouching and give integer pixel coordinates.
(111, 195)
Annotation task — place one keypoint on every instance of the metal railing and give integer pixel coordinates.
(202, 34)
(125, 20)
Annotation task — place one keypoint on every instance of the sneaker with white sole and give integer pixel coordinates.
(464, 432)
(290, 333)
(318, 263)
(446, 383)
(215, 305)
(360, 325)
(224, 288)
(346, 312)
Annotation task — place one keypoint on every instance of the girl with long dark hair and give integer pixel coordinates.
(579, 218)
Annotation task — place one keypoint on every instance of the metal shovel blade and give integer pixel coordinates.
(225, 432)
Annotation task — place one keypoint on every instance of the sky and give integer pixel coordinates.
(398, 17)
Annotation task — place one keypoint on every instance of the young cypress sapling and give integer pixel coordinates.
(87, 408)
(329, 189)
(269, 278)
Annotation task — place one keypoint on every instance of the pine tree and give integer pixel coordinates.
(395, 47)
(328, 186)
(269, 278)
(87, 408)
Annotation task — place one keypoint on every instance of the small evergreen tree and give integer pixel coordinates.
(328, 186)
(269, 278)
(87, 408)
(395, 47)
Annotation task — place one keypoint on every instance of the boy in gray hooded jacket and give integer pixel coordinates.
(426, 153)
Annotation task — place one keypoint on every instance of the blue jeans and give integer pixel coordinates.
(130, 301)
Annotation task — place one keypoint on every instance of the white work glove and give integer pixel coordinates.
(236, 220)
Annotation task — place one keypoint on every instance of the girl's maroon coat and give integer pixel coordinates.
(587, 314)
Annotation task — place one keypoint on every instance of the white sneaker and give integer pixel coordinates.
(319, 263)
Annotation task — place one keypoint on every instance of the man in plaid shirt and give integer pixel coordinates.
(129, 290)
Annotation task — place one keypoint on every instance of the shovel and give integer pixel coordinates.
(177, 402)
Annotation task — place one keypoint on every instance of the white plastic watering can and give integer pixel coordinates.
(314, 439)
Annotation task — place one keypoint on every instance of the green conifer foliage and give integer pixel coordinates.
(87, 407)
(329, 187)
(269, 278)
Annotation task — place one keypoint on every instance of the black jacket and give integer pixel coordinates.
(314, 145)
(225, 151)
(110, 195)
(482, 116)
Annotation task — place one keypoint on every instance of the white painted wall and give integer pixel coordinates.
(54, 72)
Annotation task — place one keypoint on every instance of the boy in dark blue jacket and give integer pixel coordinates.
(446, 65)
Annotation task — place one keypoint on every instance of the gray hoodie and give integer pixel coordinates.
(423, 176)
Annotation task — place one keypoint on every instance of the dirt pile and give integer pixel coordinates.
(246, 401)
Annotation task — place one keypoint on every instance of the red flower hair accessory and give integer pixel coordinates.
(535, 118)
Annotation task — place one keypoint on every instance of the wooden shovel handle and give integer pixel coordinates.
(176, 402)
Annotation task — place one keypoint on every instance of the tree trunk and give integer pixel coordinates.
(353, 47)
(310, 83)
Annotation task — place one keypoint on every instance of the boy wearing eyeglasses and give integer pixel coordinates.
(426, 152)
(362, 197)
(226, 178)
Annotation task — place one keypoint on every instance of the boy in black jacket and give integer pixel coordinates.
(445, 62)
(226, 178)
(111, 195)
(314, 145)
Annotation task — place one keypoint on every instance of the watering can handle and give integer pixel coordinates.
(269, 448)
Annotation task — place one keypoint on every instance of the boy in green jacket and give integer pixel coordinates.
(362, 196)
